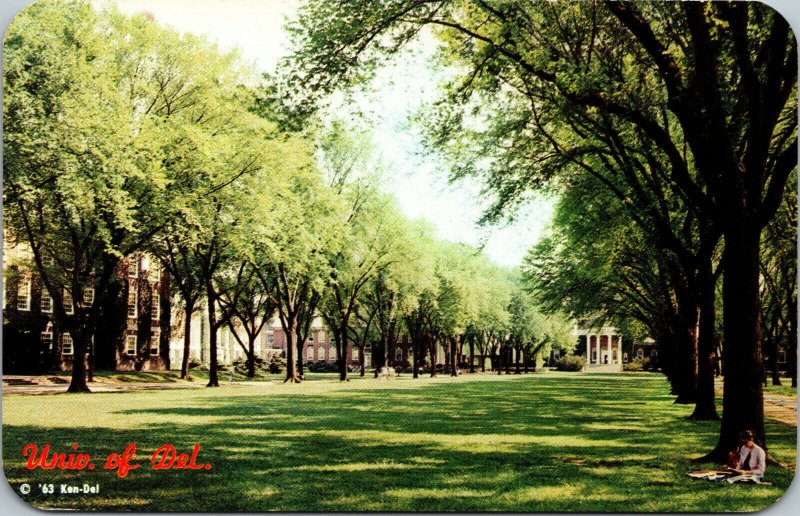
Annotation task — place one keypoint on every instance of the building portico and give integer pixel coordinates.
(603, 351)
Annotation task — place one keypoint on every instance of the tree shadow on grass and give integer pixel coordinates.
(549, 444)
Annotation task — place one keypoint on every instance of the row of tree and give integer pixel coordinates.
(678, 117)
(122, 137)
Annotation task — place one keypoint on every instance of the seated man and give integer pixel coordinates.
(752, 459)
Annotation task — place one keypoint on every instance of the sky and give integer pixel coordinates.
(255, 28)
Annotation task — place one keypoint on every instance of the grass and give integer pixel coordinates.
(197, 375)
(547, 442)
(785, 389)
(200, 376)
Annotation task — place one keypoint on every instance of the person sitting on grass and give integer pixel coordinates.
(751, 459)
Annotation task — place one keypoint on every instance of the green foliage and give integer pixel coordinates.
(240, 365)
(322, 366)
(277, 364)
(638, 364)
(571, 363)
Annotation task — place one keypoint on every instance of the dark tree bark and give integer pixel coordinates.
(289, 330)
(433, 352)
(187, 337)
(300, 346)
(453, 356)
(472, 354)
(743, 400)
(706, 406)
(213, 326)
(80, 343)
(686, 351)
(251, 356)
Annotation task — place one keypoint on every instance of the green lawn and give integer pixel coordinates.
(546, 442)
(785, 389)
(200, 376)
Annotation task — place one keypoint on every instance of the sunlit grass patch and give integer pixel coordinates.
(545, 442)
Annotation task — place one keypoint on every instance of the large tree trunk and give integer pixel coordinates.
(381, 359)
(80, 344)
(472, 354)
(300, 345)
(213, 379)
(361, 358)
(342, 343)
(291, 361)
(187, 339)
(434, 356)
(517, 370)
(453, 357)
(251, 356)
(743, 400)
(685, 374)
(706, 407)
(417, 348)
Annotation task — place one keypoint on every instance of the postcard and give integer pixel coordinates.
(399, 256)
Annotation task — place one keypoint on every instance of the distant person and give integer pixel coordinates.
(752, 459)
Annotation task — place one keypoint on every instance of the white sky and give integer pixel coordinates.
(255, 27)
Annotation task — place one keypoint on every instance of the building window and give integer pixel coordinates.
(66, 344)
(155, 269)
(311, 337)
(47, 339)
(270, 338)
(155, 307)
(88, 296)
(24, 294)
(46, 302)
(132, 303)
(133, 267)
(130, 345)
(68, 306)
(154, 343)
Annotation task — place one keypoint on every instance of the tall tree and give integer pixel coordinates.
(674, 86)
(94, 106)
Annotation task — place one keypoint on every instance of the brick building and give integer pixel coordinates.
(318, 347)
(132, 332)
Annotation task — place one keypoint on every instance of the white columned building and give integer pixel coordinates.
(603, 348)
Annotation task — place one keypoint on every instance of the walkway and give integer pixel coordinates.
(776, 406)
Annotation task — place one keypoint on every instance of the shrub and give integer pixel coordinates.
(277, 364)
(638, 364)
(240, 365)
(570, 363)
(193, 362)
(321, 366)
